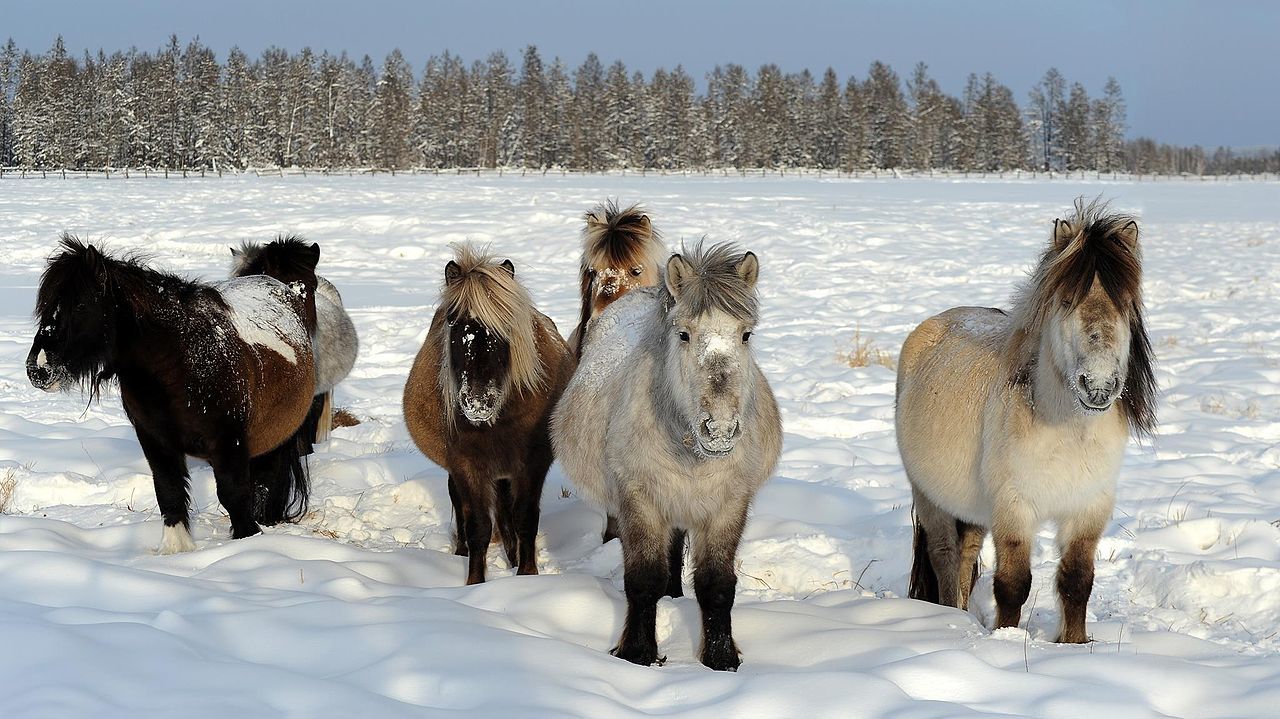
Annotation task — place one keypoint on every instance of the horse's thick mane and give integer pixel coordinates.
(1094, 243)
(93, 285)
(620, 237)
(289, 253)
(714, 282)
(487, 292)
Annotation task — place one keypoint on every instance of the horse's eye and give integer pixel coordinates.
(636, 271)
(746, 336)
(684, 336)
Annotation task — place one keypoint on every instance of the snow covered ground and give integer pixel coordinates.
(358, 609)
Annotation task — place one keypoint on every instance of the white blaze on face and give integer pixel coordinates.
(42, 360)
(176, 539)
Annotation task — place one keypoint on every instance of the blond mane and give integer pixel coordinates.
(488, 293)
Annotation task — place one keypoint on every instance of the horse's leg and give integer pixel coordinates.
(527, 496)
(939, 530)
(675, 564)
(230, 462)
(1013, 532)
(971, 537)
(476, 495)
(504, 511)
(715, 547)
(645, 536)
(1078, 541)
(169, 474)
(459, 519)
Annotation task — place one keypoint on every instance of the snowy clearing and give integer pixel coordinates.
(358, 610)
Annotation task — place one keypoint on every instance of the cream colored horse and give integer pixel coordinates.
(1009, 420)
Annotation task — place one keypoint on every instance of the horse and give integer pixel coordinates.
(621, 251)
(220, 372)
(1006, 420)
(478, 400)
(336, 342)
(669, 425)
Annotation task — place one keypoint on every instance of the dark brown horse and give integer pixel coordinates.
(221, 372)
(478, 401)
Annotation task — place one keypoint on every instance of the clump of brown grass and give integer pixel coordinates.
(863, 353)
(7, 485)
(344, 418)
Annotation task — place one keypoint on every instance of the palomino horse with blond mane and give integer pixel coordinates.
(621, 251)
(670, 426)
(478, 401)
(1009, 420)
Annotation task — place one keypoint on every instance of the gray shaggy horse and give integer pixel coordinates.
(335, 341)
(670, 426)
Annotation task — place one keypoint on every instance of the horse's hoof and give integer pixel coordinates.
(722, 656)
(1073, 638)
(245, 531)
(175, 540)
(645, 657)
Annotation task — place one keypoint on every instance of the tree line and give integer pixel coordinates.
(180, 107)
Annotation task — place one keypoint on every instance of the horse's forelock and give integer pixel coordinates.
(619, 237)
(713, 283)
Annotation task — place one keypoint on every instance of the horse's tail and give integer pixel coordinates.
(924, 582)
(318, 423)
(281, 481)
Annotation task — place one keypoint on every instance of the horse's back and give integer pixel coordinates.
(949, 366)
(580, 423)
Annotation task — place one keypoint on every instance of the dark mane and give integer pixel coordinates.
(90, 294)
(714, 282)
(1094, 243)
(286, 256)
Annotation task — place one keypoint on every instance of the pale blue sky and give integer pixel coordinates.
(1192, 72)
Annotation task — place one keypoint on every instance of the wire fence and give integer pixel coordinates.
(130, 173)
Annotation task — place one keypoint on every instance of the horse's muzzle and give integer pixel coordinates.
(1095, 396)
(717, 438)
(41, 372)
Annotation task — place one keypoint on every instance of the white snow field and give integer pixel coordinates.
(358, 610)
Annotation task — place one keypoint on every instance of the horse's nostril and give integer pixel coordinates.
(1083, 381)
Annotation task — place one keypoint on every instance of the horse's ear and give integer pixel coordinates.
(1063, 233)
(678, 270)
(749, 269)
(313, 255)
(645, 224)
(235, 252)
(452, 272)
(1129, 234)
(510, 267)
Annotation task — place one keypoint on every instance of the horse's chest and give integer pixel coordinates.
(690, 496)
(1060, 473)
